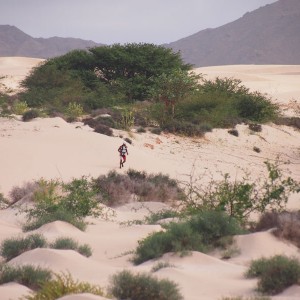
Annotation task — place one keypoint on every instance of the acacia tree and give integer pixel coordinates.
(173, 87)
(132, 65)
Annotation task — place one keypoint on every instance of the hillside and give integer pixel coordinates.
(268, 35)
(14, 42)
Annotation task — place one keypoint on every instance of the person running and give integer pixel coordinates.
(123, 151)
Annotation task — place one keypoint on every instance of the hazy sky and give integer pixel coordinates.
(122, 21)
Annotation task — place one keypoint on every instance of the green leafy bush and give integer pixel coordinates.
(77, 201)
(275, 274)
(13, 247)
(241, 197)
(69, 243)
(74, 111)
(125, 285)
(30, 276)
(61, 285)
(201, 232)
(20, 107)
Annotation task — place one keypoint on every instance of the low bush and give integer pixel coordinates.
(116, 189)
(70, 202)
(233, 132)
(57, 215)
(30, 114)
(28, 189)
(4, 203)
(125, 285)
(201, 232)
(275, 274)
(156, 131)
(141, 130)
(255, 127)
(20, 107)
(61, 285)
(103, 129)
(13, 247)
(286, 225)
(69, 244)
(74, 111)
(161, 265)
(184, 128)
(30, 276)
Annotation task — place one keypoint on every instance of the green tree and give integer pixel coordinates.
(172, 87)
(132, 65)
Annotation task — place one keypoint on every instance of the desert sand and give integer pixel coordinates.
(53, 148)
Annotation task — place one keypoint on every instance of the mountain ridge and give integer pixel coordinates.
(267, 35)
(14, 42)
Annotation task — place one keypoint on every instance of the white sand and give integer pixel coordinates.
(52, 148)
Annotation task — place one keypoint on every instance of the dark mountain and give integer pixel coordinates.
(268, 35)
(14, 42)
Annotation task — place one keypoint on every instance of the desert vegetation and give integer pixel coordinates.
(275, 274)
(154, 88)
(13, 247)
(126, 285)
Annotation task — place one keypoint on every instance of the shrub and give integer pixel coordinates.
(74, 111)
(103, 129)
(286, 225)
(161, 265)
(156, 131)
(153, 218)
(241, 198)
(17, 193)
(56, 215)
(128, 140)
(201, 232)
(184, 128)
(20, 107)
(64, 243)
(13, 247)
(30, 114)
(85, 250)
(141, 130)
(255, 127)
(76, 201)
(144, 187)
(257, 107)
(61, 285)
(69, 243)
(275, 274)
(30, 276)
(125, 285)
(233, 132)
(4, 203)
(256, 149)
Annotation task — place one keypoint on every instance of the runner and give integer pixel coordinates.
(123, 151)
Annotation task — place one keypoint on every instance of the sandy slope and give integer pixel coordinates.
(52, 148)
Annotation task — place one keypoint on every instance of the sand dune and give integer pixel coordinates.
(55, 149)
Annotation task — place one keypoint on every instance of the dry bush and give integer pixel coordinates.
(289, 227)
(117, 189)
(286, 224)
(19, 192)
